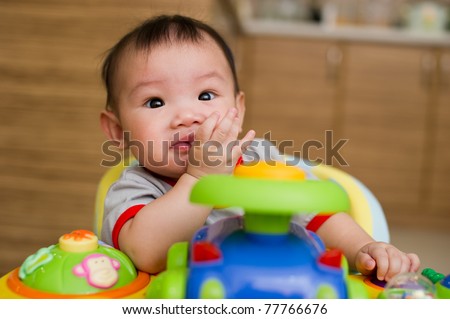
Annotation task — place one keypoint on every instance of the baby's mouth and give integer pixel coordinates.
(182, 143)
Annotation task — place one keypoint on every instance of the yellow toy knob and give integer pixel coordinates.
(270, 170)
(78, 241)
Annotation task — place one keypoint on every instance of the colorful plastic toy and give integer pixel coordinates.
(409, 286)
(77, 267)
(429, 284)
(260, 255)
(263, 254)
(441, 282)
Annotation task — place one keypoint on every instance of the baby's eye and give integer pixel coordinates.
(206, 96)
(154, 103)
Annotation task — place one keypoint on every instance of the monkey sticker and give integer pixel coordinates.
(99, 270)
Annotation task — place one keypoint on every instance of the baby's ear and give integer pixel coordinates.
(112, 128)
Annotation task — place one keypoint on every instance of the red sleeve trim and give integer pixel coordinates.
(239, 161)
(126, 216)
(317, 221)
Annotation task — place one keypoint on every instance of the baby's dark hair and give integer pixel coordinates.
(159, 30)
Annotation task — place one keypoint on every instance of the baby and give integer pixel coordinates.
(173, 99)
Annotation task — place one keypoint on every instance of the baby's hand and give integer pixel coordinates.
(385, 259)
(216, 148)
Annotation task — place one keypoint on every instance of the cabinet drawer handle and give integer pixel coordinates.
(444, 68)
(428, 65)
(334, 58)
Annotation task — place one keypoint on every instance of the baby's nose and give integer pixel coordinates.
(188, 117)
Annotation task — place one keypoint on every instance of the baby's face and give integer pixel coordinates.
(164, 95)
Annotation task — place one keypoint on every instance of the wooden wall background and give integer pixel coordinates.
(50, 99)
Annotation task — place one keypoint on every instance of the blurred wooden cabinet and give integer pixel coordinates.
(438, 194)
(391, 102)
(384, 118)
(288, 93)
(397, 119)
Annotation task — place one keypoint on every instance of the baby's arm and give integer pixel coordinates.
(363, 253)
(172, 218)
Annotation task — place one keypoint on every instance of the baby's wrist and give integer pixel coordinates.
(198, 171)
(192, 175)
(186, 181)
